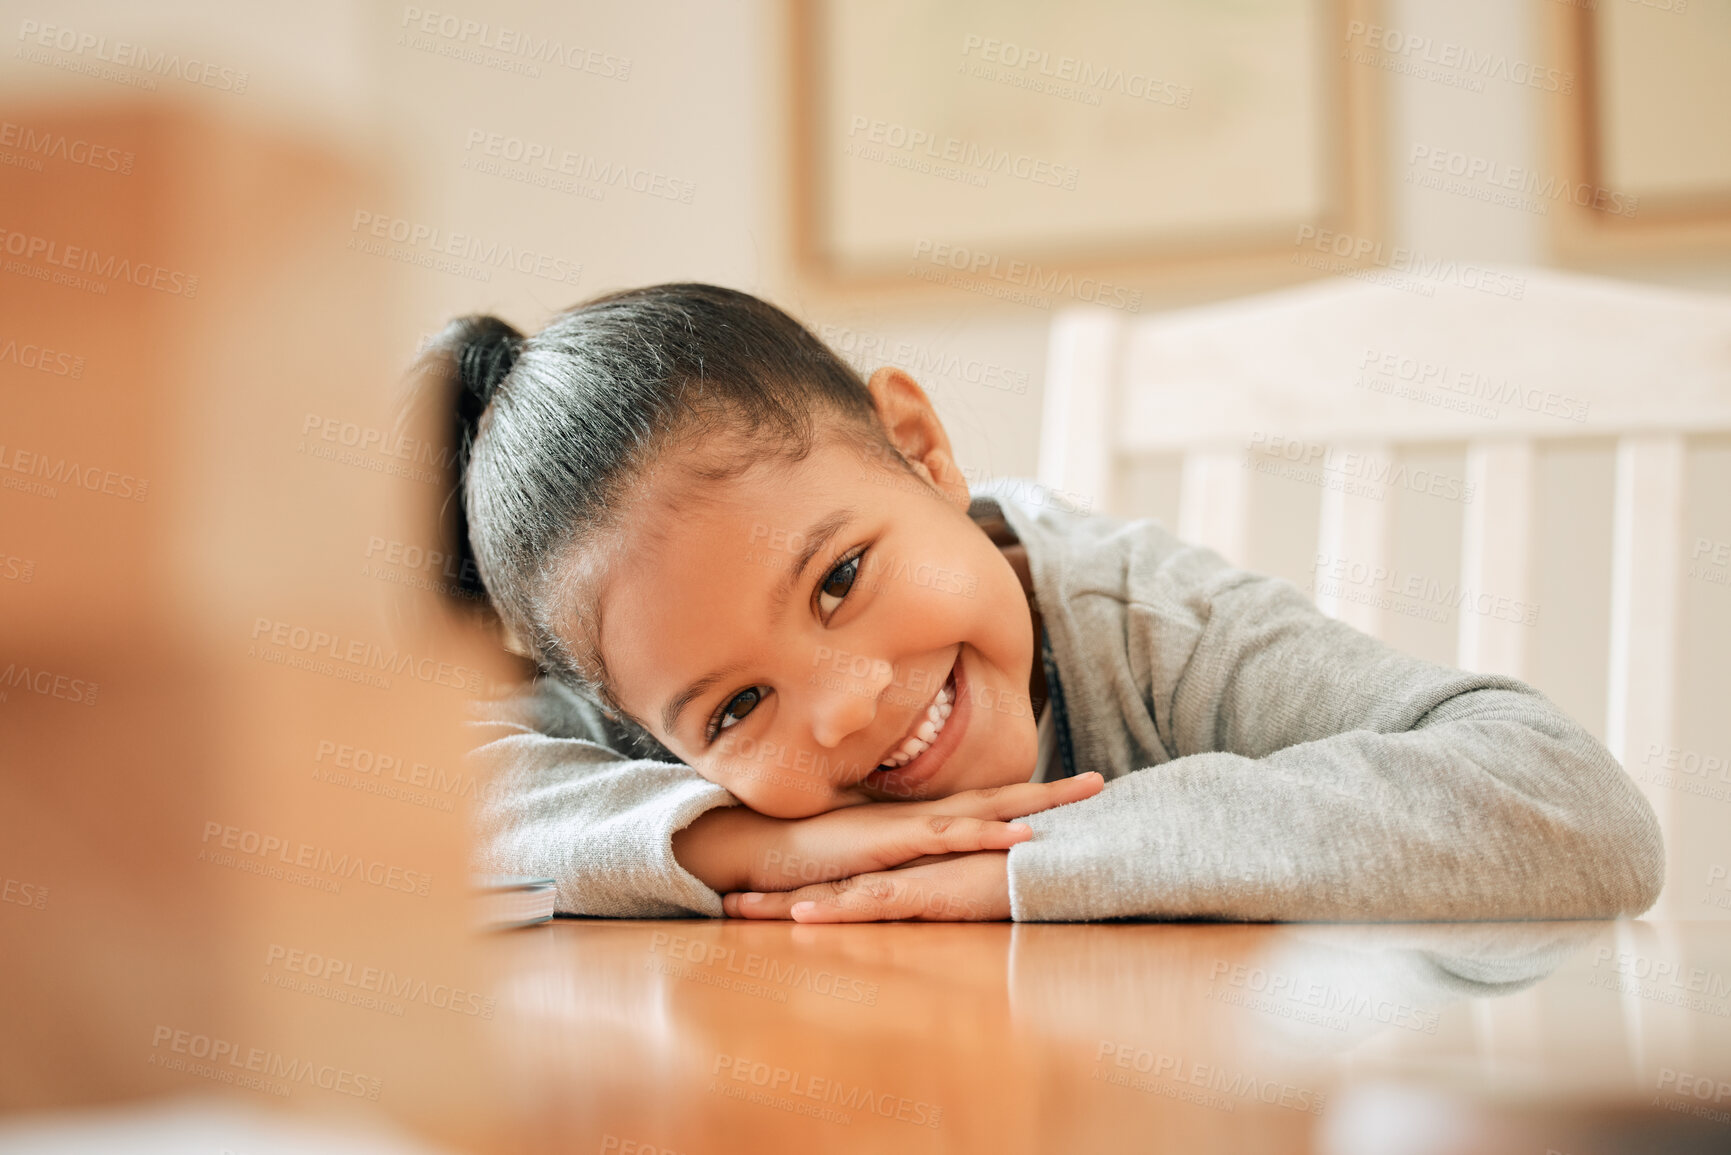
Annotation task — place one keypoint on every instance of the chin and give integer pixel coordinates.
(1026, 750)
(1011, 759)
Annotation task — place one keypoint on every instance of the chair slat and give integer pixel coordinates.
(1352, 530)
(1646, 545)
(1214, 503)
(1078, 440)
(1496, 560)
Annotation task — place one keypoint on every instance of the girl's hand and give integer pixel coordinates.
(961, 888)
(736, 849)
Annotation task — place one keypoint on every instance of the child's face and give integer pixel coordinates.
(803, 690)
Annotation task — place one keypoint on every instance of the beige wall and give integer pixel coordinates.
(705, 104)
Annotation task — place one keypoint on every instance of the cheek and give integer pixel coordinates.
(939, 592)
(772, 777)
(977, 599)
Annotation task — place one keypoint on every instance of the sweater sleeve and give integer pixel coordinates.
(569, 798)
(1314, 773)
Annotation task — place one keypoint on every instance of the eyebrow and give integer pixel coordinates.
(816, 538)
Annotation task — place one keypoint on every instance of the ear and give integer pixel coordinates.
(914, 429)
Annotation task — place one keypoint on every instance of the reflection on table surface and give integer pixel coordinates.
(711, 1036)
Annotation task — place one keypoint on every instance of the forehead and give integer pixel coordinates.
(696, 568)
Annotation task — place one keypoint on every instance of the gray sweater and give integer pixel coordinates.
(1262, 761)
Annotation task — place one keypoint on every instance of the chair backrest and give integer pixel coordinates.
(1333, 382)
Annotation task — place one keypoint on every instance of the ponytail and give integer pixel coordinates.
(465, 363)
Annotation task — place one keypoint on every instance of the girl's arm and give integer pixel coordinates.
(636, 834)
(577, 810)
(1311, 772)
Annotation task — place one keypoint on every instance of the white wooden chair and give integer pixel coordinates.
(1216, 385)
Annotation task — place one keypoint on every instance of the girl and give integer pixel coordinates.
(793, 668)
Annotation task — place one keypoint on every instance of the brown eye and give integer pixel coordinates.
(838, 583)
(738, 707)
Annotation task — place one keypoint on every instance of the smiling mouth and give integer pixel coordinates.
(930, 725)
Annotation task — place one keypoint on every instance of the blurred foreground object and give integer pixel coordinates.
(233, 806)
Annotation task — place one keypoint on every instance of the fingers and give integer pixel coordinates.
(947, 891)
(862, 898)
(856, 841)
(917, 836)
(878, 841)
(949, 833)
(1019, 800)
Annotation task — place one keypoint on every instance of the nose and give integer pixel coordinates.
(845, 703)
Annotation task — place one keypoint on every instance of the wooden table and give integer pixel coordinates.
(721, 1036)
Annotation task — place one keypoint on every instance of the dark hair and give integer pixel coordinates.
(553, 430)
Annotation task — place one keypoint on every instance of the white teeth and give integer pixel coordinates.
(929, 728)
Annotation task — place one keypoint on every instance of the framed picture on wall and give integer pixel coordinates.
(1010, 141)
(1644, 141)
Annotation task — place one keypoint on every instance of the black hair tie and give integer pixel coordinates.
(486, 349)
